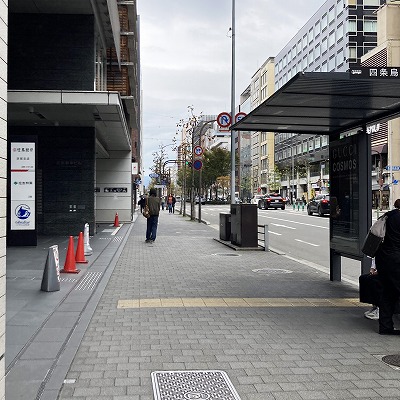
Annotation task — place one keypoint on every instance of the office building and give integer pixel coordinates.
(333, 40)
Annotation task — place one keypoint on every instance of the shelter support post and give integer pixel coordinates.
(335, 266)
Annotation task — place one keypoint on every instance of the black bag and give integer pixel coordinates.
(370, 289)
(375, 237)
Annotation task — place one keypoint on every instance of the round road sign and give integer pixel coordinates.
(239, 116)
(198, 164)
(224, 119)
(198, 150)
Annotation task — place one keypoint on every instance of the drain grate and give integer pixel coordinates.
(393, 360)
(272, 271)
(193, 385)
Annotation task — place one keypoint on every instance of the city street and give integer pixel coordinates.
(293, 232)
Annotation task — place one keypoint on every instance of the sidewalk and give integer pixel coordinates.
(278, 329)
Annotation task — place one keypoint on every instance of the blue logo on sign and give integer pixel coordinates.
(23, 211)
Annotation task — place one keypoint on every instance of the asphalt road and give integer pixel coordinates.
(294, 233)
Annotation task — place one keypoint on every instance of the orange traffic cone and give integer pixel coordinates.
(116, 220)
(80, 252)
(69, 265)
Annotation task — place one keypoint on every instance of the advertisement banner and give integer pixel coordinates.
(22, 215)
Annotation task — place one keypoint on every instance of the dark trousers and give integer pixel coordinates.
(151, 231)
(389, 272)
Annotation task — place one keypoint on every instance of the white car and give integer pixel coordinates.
(255, 198)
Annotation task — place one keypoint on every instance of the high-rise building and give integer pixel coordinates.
(333, 40)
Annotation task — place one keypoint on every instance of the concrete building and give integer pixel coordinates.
(333, 39)
(74, 105)
(3, 186)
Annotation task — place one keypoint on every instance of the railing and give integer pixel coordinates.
(263, 236)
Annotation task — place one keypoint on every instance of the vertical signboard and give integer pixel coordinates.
(345, 195)
(22, 186)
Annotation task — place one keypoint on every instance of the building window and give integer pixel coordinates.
(299, 47)
(324, 66)
(339, 32)
(310, 35)
(324, 22)
(352, 3)
(324, 141)
(369, 3)
(317, 142)
(324, 45)
(331, 15)
(370, 25)
(284, 62)
(304, 64)
(339, 57)
(317, 29)
(352, 52)
(331, 64)
(352, 25)
(304, 41)
(331, 39)
(317, 52)
(294, 52)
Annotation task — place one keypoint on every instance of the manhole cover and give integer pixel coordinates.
(193, 385)
(226, 254)
(392, 360)
(271, 271)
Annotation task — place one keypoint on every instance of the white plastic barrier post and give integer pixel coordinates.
(88, 251)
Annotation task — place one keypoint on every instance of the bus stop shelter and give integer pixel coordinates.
(340, 105)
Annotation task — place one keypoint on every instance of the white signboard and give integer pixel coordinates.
(22, 186)
(135, 168)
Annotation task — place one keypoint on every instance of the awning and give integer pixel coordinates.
(100, 110)
(325, 103)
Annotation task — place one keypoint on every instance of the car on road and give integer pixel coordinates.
(272, 200)
(320, 204)
(203, 200)
(256, 198)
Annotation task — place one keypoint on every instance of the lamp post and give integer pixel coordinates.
(233, 180)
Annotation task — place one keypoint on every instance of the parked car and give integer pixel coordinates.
(256, 198)
(203, 200)
(272, 200)
(320, 204)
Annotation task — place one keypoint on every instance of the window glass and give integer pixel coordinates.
(304, 64)
(331, 15)
(352, 25)
(317, 142)
(331, 39)
(370, 26)
(339, 57)
(324, 141)
(339, 32)
(324, 45)
(284, 61)
(310, 35)
(317, 51)
(299, 47)
(304, 41)
(331, 64)
(352, 52)
(372, 3)
(324, 21)
(324, 66)
(317, 29)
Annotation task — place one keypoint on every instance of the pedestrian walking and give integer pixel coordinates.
(170, 201)
(142, 202)
(154, 204)
(373, 313)
(387, 261)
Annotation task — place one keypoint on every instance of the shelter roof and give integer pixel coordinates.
(325, 103)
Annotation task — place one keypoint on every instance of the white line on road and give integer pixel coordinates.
(283, 226)
(275, 233)
(311, 244)
(295, 222)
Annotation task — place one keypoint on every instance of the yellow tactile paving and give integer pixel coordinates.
(200, 302)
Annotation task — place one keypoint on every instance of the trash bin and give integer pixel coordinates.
(225, 226)
(244, 225)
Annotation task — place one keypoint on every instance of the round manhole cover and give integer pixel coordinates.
(226, 254)
(393, 359)
(272, 271)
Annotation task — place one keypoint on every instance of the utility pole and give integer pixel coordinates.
(233, 169)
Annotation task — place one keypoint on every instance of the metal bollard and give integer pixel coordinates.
(266, 238)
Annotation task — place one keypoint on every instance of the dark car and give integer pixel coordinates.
(320, 204)
(272, 200)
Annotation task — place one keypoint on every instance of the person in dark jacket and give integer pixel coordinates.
(387, 261)
(142, 202)
(154, 204)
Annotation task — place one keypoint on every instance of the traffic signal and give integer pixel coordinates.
(189, 164)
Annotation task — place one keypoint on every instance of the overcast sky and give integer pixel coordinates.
(185, 51)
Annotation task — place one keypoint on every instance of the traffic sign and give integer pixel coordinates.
(239, 116)
(395, 181)
(198, 151)
(224, 119)
(154, 175)
(393, 168)
(198, 164)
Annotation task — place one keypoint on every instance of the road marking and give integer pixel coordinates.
(205, 302)
(295, 222)
(283, 226)
(302, 241)
(275, 233)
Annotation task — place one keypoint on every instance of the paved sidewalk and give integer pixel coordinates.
(279, 329)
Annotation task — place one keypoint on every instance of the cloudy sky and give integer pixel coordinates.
(185, 50)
